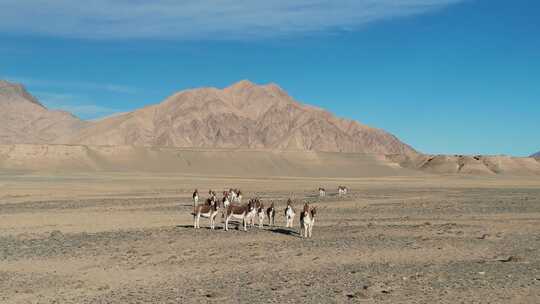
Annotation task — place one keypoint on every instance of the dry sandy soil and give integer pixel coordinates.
(127, 238)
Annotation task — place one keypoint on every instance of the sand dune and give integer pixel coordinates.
(251, 162)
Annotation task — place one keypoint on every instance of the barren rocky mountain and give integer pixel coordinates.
(244, 115)
(24, 120)
(536, 155)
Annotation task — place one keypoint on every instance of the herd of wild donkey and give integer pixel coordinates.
(232, 208)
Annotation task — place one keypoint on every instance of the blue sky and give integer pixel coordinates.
(445, 76)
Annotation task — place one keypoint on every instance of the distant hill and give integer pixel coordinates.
(537, 155)
(244, 115)
(467, 164)
(23, 119)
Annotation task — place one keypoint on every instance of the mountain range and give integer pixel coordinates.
(257, 124)
(243, 115)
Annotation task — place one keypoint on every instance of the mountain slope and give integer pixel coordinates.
(24, 120)
(537, 155)
(467, 164)
(243, 115)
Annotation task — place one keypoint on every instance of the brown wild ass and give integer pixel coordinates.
(195, 198)
(342, 190)
(289, 214)
(271, 214)
(243, 212)
(209, 210)
(307, 220)
(322, 192)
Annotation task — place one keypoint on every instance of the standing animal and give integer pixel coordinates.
(256, 204)
(322, 192)
(195, 198)
(342, 190)
(244, 213)
(212, 194)
(208, 210)
(239, 196)
(289, 214)
(260, 213)
(271, 215)
(307, 220)
(232, 195)
(225, 202)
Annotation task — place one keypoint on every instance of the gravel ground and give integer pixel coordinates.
(385, 244)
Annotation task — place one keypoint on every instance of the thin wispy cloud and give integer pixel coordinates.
(73, 85)
(200, 19)
(76, 104)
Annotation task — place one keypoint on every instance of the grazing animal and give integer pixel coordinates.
(322, 192)
(307, 220)
(342, 190)
(195, 198)
(289, 214)
(208, 210)
(271, 215)
(244, 213)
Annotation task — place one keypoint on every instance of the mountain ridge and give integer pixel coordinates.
(23, 119)
(243, 115)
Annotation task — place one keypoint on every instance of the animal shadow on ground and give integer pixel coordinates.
(284, 231)
(202, 227)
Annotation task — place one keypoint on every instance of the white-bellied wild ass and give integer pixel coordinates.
(212, 194)
(322, 192)
(289, 214)
(257, 205)
(238, 196)
(209, 210)
(260, 213)
(244, 213)
(342, 190)
(225, 201)
(307, 220)
(232, 195)
(271, 214)
(195, 198)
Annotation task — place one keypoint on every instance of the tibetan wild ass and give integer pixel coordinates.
(342, 190)
(208, 210)
(271, 215)
(307, 220)
(289, 214)
(244, 213)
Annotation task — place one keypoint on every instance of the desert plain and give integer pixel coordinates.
(127, 237)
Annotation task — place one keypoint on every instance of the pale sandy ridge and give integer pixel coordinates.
(468, 164)
(195, 161)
